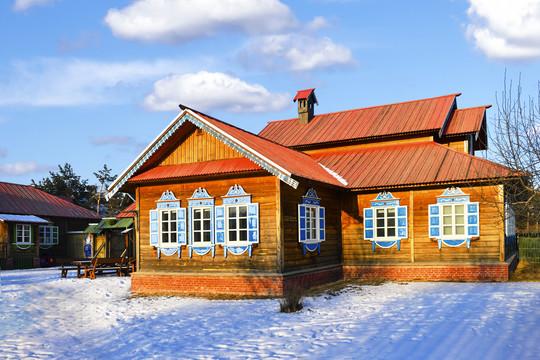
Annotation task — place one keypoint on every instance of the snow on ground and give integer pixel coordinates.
(45, 317)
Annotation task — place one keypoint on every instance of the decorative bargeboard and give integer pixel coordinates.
(385, 222)
(311, 222)
(454, 220)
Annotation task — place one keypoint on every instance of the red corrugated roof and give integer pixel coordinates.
(466, 121)
(409, 164)
(303, 94)
(27, 200)
(394, 119)
(127, 212)
(296, 162)
(197, 169)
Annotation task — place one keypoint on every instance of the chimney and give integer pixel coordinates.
(306, 100)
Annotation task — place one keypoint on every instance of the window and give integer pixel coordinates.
(453, 220)
(385, 222)
(168, 224)
(168, 227)
(311, 222)
(202, 230)
(48, 235)
(23, 234)
(237, 222)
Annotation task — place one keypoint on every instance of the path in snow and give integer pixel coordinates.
(45, 317)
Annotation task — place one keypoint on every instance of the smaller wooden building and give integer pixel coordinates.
(392, 191)
(34, 226)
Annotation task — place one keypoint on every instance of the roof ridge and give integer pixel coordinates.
(372, 107)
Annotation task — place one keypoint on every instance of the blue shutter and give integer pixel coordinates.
(220, 224)
(154, 228)
(473, 227)
(253, 223)
(368, 223)
(302, 223)
(434, 221)
(402, 222)
(322, 224)
(181, 224)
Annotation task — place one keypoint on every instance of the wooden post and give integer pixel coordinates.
(279, 228)
(501, 223)
(411, 223)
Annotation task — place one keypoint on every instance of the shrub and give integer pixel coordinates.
(291, 303)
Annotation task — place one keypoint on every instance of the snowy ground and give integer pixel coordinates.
(45, 317)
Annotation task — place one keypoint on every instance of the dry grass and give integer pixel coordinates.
(525, 271)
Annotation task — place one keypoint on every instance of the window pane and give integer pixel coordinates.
(391, 232)
(206, 225)
(314, 234)
(447, 209)
(197, 225)
(243, 211)
(232, 235)
(447, 220)
(391, 212)
(380, 232)
(460, 219)
(206, 237)
(173, 238)
(164, 216)
(206, 213)
(380, 223)
(164, 226)
(447, 230)
(243, 223)
(197, 214)
(197, 237)
(460, 230)
(380, 213)
(232, 211)
(391, 222)
(165, 238)
(232, 223)
(460, 209)
(243, 235)
(173, 215)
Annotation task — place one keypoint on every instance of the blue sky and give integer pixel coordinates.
(91, 82)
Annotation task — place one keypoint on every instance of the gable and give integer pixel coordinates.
(198, 146)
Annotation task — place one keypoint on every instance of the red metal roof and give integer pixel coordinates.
(27, 200)
(127, 212)
(303, 94)
(296, 162)
(197, 169)
(409, 164)
(466, 121)
(394, 119)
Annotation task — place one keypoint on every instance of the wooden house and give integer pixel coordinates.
(34, 226)
(392, 191)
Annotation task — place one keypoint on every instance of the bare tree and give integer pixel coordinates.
(515, 143)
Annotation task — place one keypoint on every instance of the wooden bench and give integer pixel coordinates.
(100, 266)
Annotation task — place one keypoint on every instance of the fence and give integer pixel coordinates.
(529, 248)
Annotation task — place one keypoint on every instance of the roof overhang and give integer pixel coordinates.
(23, 219)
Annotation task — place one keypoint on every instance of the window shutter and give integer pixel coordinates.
(434, 221)
(154, 226)
(253, 223)
(473, 227)
(55, 235)
(181, 226)
(402, 222)
(220, 224)
(368, 224)
(302, 223)
(322, 224)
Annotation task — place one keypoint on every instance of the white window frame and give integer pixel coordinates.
(48, 235)
(23, 231)
(386, 227)
(201, 231)
(452, 217)
(238, 229)
(312, 220)
(172, 225)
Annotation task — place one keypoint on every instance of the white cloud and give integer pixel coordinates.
(505, 29)
(21, 5)
(180, 21)
(317, 23)
(22, 168)
(296, 52)
(207, 91)
(68, 82)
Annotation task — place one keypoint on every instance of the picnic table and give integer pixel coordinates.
(122, 266)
